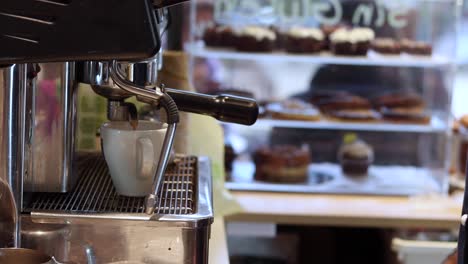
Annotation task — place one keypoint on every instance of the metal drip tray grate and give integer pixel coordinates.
(95, 193)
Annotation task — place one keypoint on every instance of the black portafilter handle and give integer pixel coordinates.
(224, 107)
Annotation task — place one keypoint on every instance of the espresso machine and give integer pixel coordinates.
(62, 201)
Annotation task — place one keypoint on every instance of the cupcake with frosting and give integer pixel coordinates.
(355, 156)
(327, 31)
(351, 42)
(218, 36)
(255, 39)
(304, 40)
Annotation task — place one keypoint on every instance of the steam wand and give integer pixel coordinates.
(159, 96)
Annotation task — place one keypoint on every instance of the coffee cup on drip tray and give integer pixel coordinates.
(132, 154)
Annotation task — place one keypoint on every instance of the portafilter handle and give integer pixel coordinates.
(224, 107)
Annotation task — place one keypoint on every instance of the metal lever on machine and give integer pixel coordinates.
(165, 101)
(172, 119)
(228, 108)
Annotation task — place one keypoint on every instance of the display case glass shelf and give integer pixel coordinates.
(327, 178)
(372, 59)
(436, 125)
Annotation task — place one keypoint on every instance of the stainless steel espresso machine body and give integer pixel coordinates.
(65, 203)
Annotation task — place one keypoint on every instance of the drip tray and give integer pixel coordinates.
(94, 192)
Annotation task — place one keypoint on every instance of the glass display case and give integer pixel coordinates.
(355, 95)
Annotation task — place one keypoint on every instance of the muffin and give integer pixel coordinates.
(355, 156)
(304, 40)
(219, 36)
(386, 46)
(284, 163)
(293, 110)
(415, 47)
(351, 42)
(255, 39)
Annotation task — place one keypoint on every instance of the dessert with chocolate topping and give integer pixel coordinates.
(218, 36)
(351, 42)
(344, 102)
(355, 156)
(349, 108)
(304, 40)
(283, 163)
(327, 31)
(255, 39)
(280, 37)
(403, 108)
(320, 96)
(399, 99)
(406, 115)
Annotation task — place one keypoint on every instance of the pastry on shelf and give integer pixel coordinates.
(403, 108)
(348, 108)
(406, 115)
(354, 115)
(399, 99)
(351, 42)
(327, 31)
(280, 37)
(386, 46)
(415, 47)
(355, 156)
(255, 39)
(320, 96)
(304, 40)
(344, 102)
(292, 109)
(219, 36)
(283, 164)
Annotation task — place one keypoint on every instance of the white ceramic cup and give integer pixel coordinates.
(132, 155)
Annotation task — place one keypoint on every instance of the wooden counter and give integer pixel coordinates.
(348, 210)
